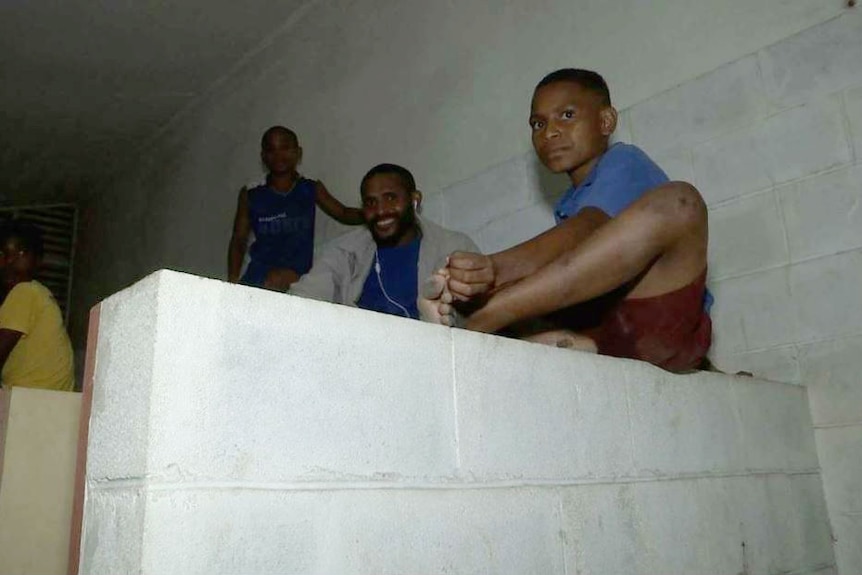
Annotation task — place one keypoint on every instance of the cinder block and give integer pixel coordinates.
(218, 531)
(124, 370)
(768, 410)
(684, 424)
(822, 214)
(780, 525)
(113, 531)
(532, 411)
(515, 228)
(753, 312)
(820, 60)
(826, 296)
(601, 526)
(745, 236)
(789, 156)
(714, 526)
(693, 517)
(676, 163)
(726, 98)
(434, 208)
(498, 191)
(729, 166)
(274, 387)
(853, 106)
(444, 531)
(771, 151)
(777, 364)
(839, 449)
(815, 533)
(832, 371)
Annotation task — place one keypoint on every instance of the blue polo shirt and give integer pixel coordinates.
(622, 175)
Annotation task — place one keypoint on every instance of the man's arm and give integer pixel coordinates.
(664, 231)
(8, 340)
(239, 237)
(475, 274)
(335, 209)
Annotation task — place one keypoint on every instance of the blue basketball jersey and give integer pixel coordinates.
(283, 225)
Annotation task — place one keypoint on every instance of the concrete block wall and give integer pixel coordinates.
(774, 143)
(235, 430)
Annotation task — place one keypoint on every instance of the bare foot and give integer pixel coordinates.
(435, 300)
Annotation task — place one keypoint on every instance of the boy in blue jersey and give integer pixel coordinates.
(281, 215)
(623, 272)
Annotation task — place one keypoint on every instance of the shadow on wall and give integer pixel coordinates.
(550, 185)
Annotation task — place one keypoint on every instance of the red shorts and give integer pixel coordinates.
(671, 330)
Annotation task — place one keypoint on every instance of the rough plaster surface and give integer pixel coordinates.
(281, 435)
(37, 478)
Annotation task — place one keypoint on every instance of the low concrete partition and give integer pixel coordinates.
(38, 448)
(235, 430)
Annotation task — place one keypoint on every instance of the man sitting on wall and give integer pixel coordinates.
(35, 350)
(623, 272)
(379, 267)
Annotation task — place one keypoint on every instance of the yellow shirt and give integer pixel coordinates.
(43, 355)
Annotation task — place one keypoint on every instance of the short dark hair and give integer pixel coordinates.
(277, 130)
(400, 171)
(586, 79)
(29, 235)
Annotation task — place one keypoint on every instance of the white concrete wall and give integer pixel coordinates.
(235, 430)
(774, 143)
(441, 87)
(38, 451)
(767, 123)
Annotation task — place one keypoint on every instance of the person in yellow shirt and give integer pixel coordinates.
(35, 350)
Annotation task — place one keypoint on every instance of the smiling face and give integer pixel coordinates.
(570, 127)
(387, 206)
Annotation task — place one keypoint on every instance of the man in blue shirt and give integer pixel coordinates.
(380, 266)
(623, 272)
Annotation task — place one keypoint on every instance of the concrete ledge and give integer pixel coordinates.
(239, 430)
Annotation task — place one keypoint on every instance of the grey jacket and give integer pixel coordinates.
(340, 271)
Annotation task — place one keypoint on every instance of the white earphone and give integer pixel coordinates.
(377, 269)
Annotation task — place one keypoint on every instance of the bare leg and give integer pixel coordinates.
(660, 240)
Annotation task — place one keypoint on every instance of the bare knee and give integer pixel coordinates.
(678, 203)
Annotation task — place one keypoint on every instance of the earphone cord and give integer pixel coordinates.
(383, 289)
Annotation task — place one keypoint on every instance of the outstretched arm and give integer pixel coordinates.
(472, 274)
(335, 209)
(239, 237)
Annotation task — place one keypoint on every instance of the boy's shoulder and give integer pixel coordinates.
(628, 160)
(623, 152)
